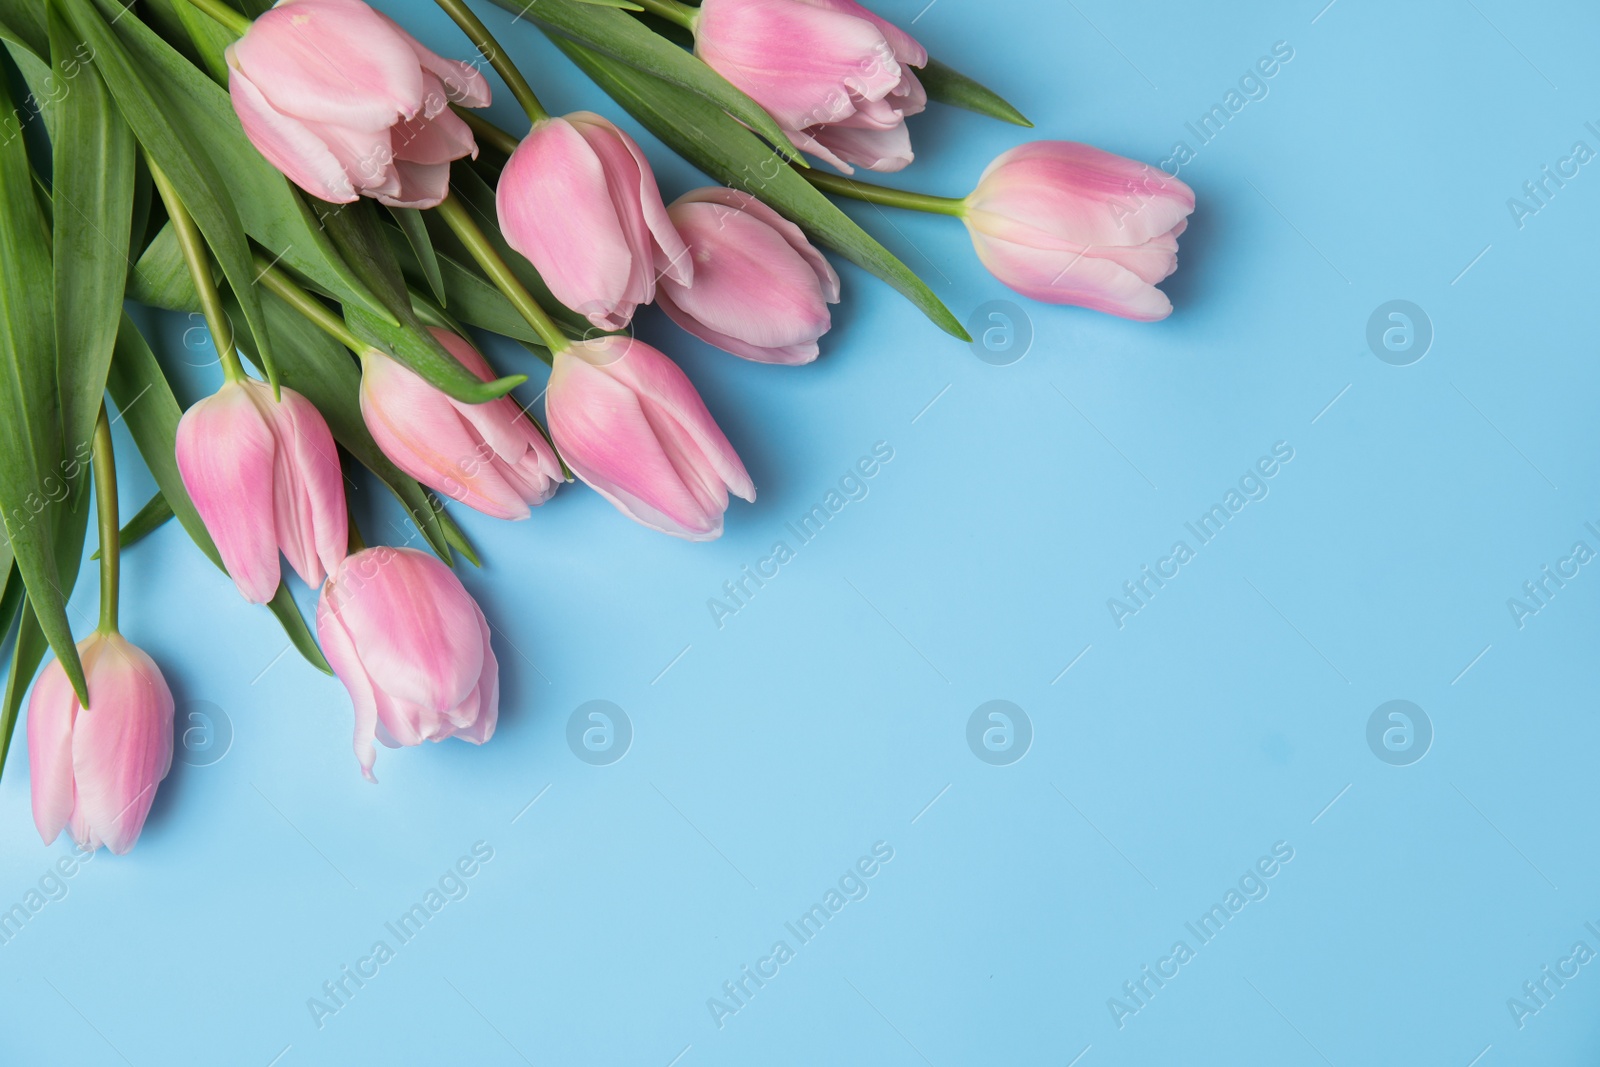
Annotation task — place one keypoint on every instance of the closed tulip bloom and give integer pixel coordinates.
(579, 200)
(628, 422)
(412, 648)
(94, 770)
(760, 289)
(836, 77)
(264, 475)
(347, 104)
(490, 457)
(1069, 224)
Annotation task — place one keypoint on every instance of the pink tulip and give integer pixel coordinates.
(578, 199)
(760, 290)
(264, 475)
(95, 770)
(1069, 224)
(412, 647)
(490, 457)
(345, 103)
(836, 77)
(628, 422)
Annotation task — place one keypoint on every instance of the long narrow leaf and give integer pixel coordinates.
(34, 480)
(618, 35)
(949, 86)
(728, 152)
(92, 195)
(177, 151)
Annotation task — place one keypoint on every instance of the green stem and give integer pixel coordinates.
(878, 194)
(672, 11)
(487, 132)
(221, 12)
(105, 497)
(194, 254)
(460, 220)
(316, 311)
(490, 49)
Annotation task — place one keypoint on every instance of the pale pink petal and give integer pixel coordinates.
(421, 185)
(884, 151)
(225, 454)
(332, 61)
(462, 82)
(1061, 277)
(556, 208)
(122, 743)
(288, 144)
(340, 650)
(51, 710)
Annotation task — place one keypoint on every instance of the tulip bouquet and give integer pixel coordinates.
(321, 188)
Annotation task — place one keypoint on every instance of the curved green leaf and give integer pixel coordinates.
(730, 154)
(35, 476)
(618, 35)
(92, 197)
(949, 86)
(175, 148)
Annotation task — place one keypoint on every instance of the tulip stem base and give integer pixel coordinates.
(460, 220)
(878, 194)
(276, 281)
(672, 11)
(490, 49)
(105, 498)
(219, 11)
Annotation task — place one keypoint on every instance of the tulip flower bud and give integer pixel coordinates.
(95, 770)
(579, 200)
(760, 289)
(1066, 223)
(347, 104)
(836, 77)
(264, 475)
(490, 457)
(412, 647)
(628, 422)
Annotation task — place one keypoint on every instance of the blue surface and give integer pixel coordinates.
(1227, 718)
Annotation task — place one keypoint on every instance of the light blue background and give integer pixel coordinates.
(830, 713)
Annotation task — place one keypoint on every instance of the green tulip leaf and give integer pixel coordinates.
(949, 86)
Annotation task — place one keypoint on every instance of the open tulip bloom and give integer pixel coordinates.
(318, 169)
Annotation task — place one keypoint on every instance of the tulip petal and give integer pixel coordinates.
(421, 185)
(882, 150)
(225, 456)
(313, 524)
(556, 208)
(436, 139)
(461, 82)
(1061, 277)
(122, 743)
(51, 710)
(332, 61)
(666, 390)
(601, 430)
(340, 649)
(424, 434)
(794, 59)
(1057, 193)
(288, 144)
(750, 283)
